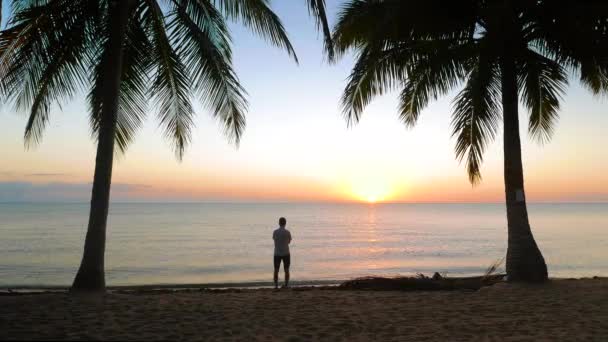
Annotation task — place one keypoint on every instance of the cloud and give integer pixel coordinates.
(13, 174)
(61, 191)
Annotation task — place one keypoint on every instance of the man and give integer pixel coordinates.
(282, 239)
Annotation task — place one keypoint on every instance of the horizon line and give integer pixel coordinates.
(294, 202)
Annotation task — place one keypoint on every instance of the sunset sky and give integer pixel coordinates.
(297, 146)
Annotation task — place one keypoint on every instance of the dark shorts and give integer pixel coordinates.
(286, 261)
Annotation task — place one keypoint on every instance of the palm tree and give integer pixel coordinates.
(125, 53)
(503, 51)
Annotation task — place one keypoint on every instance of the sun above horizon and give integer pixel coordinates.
(371, 190)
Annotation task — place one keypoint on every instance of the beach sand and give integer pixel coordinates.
(559, 310)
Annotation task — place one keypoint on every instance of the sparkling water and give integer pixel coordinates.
(178, 243)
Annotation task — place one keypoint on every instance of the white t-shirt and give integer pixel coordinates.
(282, 238)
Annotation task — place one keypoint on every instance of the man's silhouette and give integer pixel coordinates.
(282, 238)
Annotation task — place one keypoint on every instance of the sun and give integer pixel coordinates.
(372, 190)
(375, 186)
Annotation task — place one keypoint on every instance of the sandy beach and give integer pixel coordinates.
(559, 310)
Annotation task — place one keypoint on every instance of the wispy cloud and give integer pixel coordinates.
(63, 191)
(13, 174)
(47, 174)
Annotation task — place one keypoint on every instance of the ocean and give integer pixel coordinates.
(186, 243)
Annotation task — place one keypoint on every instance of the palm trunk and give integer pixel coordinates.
(90, 275)
(524, 259)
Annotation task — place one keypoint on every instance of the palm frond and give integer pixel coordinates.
(425, 69)
(44, 58)
(376, 72)
(361, 22)
(134, 84)
(257, 15)
(317, 10)
(477, 115)
(358, 24)
(170, 87)
(542, 81)
(575, 35)
(395, 46)
(204, 44)
(594, 74)
(434, 73)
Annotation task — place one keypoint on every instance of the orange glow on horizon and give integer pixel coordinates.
(373, 188)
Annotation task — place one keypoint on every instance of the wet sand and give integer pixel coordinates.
(559, 310)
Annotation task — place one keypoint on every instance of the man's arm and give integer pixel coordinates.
(289, 236)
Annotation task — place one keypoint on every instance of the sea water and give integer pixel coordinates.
(183, 243)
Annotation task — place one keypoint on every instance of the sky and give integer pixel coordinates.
(297, 146)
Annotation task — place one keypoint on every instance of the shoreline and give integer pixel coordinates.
(161, 286)
(253, 285)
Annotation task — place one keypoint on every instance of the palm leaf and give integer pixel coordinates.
(134, 84)
(435, 72)
(43, 58)
(317, 9)
(170, 87)
(542, 81)
(477, 115)
(376, 72)
(257, 15)
(205, 48)
(575, 35)
(361, 22)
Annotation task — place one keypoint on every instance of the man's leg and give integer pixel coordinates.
(286, 264)
(277, 266)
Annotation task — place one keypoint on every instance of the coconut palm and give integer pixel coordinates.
(499, 52)
(126, 53)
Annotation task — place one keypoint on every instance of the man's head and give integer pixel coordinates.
(282, 222)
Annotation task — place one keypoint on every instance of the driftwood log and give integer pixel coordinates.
(422, 283)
